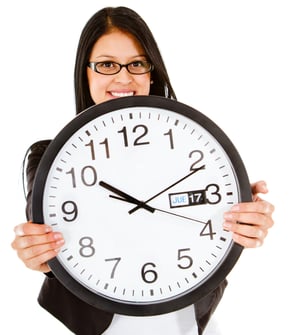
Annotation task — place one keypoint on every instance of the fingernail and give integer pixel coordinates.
(258, 244)
(60, 242)
(57, 236)
(235, 208)
(228, 216)
(226, 225)
(19, 230)
(48, 229)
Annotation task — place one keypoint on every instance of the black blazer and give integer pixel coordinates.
(80, 317)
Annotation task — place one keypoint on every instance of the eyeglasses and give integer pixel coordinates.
(109, 68)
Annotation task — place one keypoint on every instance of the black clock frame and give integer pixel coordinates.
(104, 302)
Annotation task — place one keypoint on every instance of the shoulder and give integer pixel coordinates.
(31, 161)
(38, 147)
(35, 152)
(32, 158)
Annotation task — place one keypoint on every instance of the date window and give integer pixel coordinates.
(190, 198)
(178, 200)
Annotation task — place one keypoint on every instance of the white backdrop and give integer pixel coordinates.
(246, 78)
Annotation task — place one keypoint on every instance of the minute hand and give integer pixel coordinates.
(167, 188)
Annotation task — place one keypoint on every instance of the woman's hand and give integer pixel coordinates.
(36, 244)
(256, 218)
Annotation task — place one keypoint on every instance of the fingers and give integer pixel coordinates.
(19, 230)
(36, 244)
(249, 222)
(37, 258)
(257, 188)
(246, 235)
(261, 208)
(30, 228)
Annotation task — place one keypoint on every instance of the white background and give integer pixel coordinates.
(235, 61)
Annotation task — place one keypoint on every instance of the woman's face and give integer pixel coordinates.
(122, 48)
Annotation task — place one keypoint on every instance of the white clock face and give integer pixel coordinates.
(139, 195)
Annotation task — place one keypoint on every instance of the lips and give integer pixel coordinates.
(122, 94)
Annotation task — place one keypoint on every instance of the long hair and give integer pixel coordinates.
(129, 21)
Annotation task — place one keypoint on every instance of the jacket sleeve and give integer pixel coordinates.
(205, 307)
(33, 155)
(80, 317)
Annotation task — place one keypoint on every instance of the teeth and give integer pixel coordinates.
(122, 94)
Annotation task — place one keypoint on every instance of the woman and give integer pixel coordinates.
(117, 56)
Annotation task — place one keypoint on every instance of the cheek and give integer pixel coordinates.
(97, 88)
(96, 91)
(144, 86)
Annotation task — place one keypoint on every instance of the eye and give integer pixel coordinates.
(139, 67)
(138, 63)
(106, 65)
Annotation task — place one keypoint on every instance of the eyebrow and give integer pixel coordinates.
(113, 57)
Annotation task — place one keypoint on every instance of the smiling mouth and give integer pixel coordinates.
(122, 94)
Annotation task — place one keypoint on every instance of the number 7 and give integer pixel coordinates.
(117, 260)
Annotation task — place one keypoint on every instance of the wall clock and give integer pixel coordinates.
(138, 187)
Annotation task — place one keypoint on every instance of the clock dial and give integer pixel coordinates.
(138, 191)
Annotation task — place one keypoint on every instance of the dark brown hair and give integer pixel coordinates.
(129, 21)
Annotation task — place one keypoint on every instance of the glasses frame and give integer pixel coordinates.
(93, 66)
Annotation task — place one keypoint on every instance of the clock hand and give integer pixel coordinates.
(179, 215)
(167, 188)
(125, 196)
(159, 210)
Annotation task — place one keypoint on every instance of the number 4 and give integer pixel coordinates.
(208, 230)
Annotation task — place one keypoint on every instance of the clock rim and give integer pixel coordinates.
(161, 306)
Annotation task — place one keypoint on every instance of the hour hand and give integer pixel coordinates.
(167, 188)
(126, 197)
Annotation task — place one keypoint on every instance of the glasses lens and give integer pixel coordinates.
(139, 67)
(107, 67)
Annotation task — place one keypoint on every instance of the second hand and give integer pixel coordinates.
(161, 210)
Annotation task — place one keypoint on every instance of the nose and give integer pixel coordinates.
(123, 76)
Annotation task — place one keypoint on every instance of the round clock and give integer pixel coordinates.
(138, 187)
